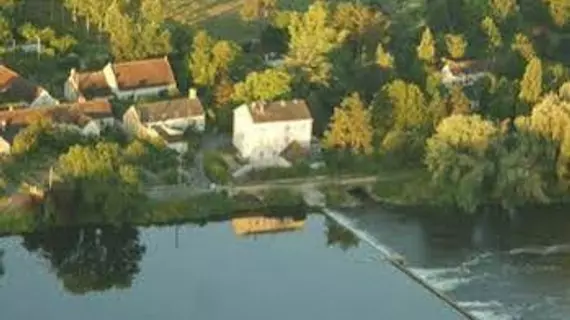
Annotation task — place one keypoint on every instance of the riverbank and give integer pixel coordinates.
(206, 206)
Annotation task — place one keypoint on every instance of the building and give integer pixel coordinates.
(88, 119)
(17, 90)
(464, 73)
(167, 119)
(263, 130)
(125, 80)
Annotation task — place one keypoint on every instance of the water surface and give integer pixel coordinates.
(241, 269)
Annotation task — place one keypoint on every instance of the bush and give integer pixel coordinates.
(216, 168)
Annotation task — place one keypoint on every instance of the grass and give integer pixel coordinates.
(405, 187)
(216, 168)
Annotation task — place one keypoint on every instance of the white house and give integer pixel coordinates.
(125, 80)
(167, 119)
(263, 130)
(15, 89)
(463, 73)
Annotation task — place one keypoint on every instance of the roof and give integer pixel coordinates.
(468, 66)
(144, 74)
(15, 120)
(92, 84)
(15, 87)
(167, 137)
(96, 109)
(279, 111)
(170, 109)
(257, 225)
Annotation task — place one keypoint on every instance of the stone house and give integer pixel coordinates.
(125, 80)
(88, 119)
(18, 90)
(167, 119)
(262, 131)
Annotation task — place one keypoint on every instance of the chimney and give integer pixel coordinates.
(282, 103)
(192, 94)
(11, 108)
(3, 125)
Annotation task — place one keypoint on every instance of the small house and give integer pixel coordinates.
(16, 89)
(262, 131)
(167, 119)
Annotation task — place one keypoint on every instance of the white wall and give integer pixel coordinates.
(69, 91)
(131, 122)
(44, 99)
(4, 146)
(262, 143)
(110, 77)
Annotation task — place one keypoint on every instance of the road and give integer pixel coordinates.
(175, 191)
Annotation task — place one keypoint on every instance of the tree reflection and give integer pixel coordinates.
(340, 236)
(90, 258)
(1, 263)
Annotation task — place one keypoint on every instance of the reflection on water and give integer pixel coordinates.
(495, 268)
(90, 258)
(261, 224)
(1, 264)
(203, 271)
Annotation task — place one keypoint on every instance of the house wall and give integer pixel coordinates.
(448, 78)
(69, 91)
(91, 129)
(110, 77)
(44, 99)
(142, 92)
(131, 122)
(182, 123)
(4, 146)
(180, 147)
(261, 143)
(242, 122)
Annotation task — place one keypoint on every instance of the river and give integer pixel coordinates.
(254, 267)
(492, 267)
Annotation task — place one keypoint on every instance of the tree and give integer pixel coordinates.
(257, 9)
(365, 26)
(459, 158)
(531, 84)
(493, 33)
(523, 46)
(312, 37)
(458, 101)
(559, 10)
(5, 29)
(456, 45)
(383, 58)
(263, 86)
(408, 105)
(426, 48)
(90, 259)
(502, 9)
(100, 180)
(350, 127)
(211, 59)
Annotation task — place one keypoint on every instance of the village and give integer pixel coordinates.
(265, 133)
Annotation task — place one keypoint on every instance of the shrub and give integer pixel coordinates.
(216, 168)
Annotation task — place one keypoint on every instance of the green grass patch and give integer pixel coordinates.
(406, 187)
(336, 195)
(216, 168)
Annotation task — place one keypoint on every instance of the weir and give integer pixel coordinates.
(316, 199)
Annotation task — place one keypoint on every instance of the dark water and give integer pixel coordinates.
(222, 270)
(494, 268)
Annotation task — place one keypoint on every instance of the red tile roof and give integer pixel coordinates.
(144, 74)
(15, 87)
(170, 109)
(92, 84)
(96, 109)
(279, 111)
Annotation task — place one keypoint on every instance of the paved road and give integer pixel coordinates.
(173, 191)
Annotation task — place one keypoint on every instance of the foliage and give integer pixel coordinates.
(102, 180)
(211, 59)
(493, 33)
(257, 9)
(42, 136)
(267, 85)
(216, 168)
(312, 37)
(531, 84)
(456, 45)
(383, 58)
(350, 127)
(460, 158)
(90, 259)
(426, 49)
